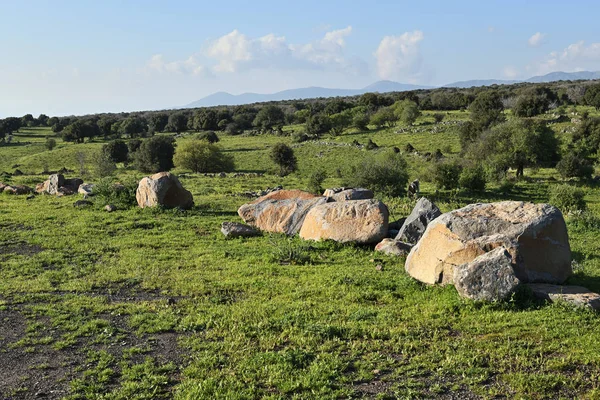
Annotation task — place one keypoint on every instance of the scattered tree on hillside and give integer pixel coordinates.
(201, 156)
(486, 110)
(318, 124)
(284, 157)
(155, 154)
(178, 122)
(592, 96)
(269, 117)
(158, 122)
(117, 151)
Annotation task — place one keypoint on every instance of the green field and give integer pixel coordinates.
(152, 303)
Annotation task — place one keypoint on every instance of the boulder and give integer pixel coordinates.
(359, 221)
(415, 224)
(279, 212)
(236, 229)
(163, 189)
(489, 277)
(393, 247)
(285, 195)
(343, 194)
(56, 184)
(86, 189)
(575, 295)
(110, 208)
(535, 236)
(17, 189)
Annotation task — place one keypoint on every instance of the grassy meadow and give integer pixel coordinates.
(153, 303)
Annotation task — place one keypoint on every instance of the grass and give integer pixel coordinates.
(157, 304)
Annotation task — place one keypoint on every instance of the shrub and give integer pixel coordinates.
(121, 195)
(50, 144)
(446, 174)
(104, 166)
(318, 124)
(472, 179)
(567, 197)
(371, 145)
(133, 145)
(438, 117)
(155, 154)
(117, 151)
(384, 173)
(360, 121)
(284, 157)
(315, 181)
(574, 166)
(506, 186)
(299, 137)
(201, 156)
(210, 137)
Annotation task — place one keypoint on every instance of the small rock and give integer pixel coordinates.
(86, 189)
(236, 229)
(393, 247)
(576, 295)
(110, 208)
(379, 267)
(83, 203)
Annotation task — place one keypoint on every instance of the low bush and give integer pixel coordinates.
(385, 174)
(472, 179)
(201, 156)
(121, 195)
(209, 136)
(574, 166)
(103, 165)
(567, 198)
(283, 156)
(315, 181)
(446, 174)
(50, 144)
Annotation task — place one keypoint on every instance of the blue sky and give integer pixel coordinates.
(75, 57)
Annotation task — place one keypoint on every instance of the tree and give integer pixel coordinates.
(340, 122)
(133, 126)
(438, 117)
(50, 144)
(284, 157)
(177, 122)
(486, 110)
(105, 124)
(200, 156)
(446, 174)
(592, 96)
(42, 120)
(206, 119)
(318, 124)
(117, 151)
(155, 154)
(531, 103)
(10, 125)
(407, 111)
(587, 136)
(79, 130)
(574, 166)
(158, 122)
(518, 143)
(385, 116)
(269, 117)
(27, 120)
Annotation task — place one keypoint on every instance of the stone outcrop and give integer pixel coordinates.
(415, 224)
(16, 189)
(58, 185)
(282, 211)
(489, 277)
(393, 247)
(344, 194)
(86, 189)
(163, 189)
(359, 221)
(535, 236)
(235, 229)
(575, 295)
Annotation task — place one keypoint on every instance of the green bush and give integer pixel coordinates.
(284, 157)
(567, 197)
(473, 179)
(201, 156)
(574, 166)
(299, 137)
(117, 151)
(315, 181)
(50, 143)
(121, 195)
(104, 166)
(155, 154)
(385, 174)
(446, 174)
(209, 136)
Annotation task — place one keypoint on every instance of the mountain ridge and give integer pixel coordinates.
(383, 86)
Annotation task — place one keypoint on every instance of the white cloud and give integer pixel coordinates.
(575, 57)
(510, 72)
(236, 52)
(399, 57)
(536, 39)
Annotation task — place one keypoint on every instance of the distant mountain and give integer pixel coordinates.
(227, 99)
(551, 77)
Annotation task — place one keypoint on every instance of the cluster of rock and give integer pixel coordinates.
(15, 189)
(58, 185)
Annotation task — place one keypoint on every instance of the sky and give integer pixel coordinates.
(67, 57)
